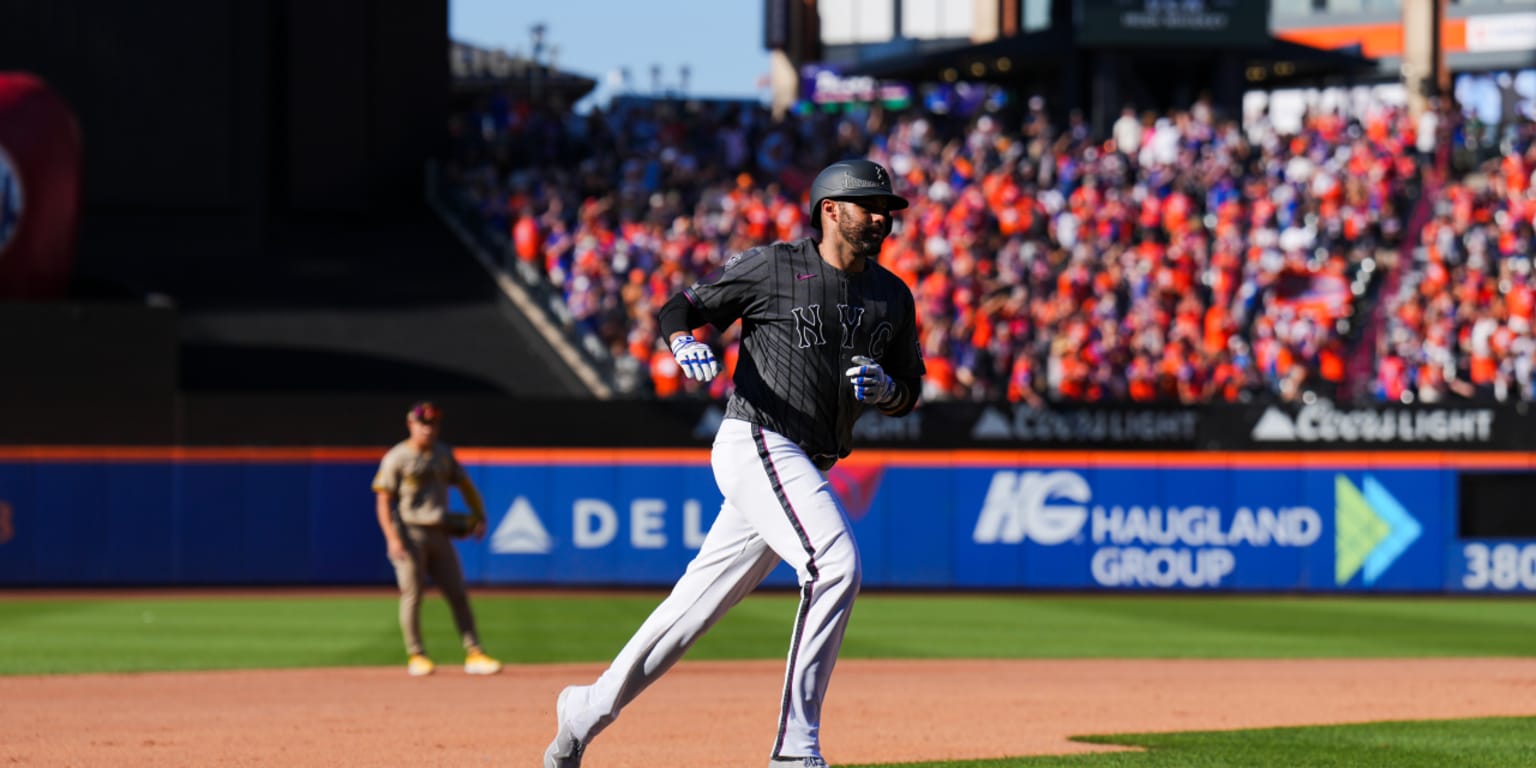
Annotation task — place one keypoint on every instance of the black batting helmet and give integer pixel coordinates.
(849, 179)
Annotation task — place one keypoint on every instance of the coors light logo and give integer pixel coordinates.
(1322, 422)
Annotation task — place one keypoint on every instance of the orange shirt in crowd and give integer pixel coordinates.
(1142, 380)
(1482, 369)
(1021, 379)
(1228, 381)
(1516, 176)
(1176, 212)
(1392, 378)
(788, 221)
(758, 220)
(1330, 362)
(941, 374)
(1285, 358)
(1520, 301)
(526, 240)
(1217, 328)
(666, 375)
(982, 335)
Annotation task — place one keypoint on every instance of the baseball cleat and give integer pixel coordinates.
(565, 750)
(477, 663)
(813, 761)
(419, 666)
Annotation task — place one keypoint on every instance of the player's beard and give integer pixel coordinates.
(864, 237)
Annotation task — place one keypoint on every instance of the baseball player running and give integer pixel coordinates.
(826, 332)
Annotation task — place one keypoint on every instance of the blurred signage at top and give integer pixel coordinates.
(825, 86)
(1501, 32)
(1157, 23)
(470, 62)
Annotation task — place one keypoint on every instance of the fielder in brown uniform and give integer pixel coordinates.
(412, 505)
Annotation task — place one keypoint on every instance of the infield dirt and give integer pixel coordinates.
(714, 713)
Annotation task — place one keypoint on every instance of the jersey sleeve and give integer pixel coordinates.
(903, 359)
(733, 290)
(906, 347)
(387, 479)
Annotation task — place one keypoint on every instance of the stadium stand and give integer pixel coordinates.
(1460, 325)
(1181, 258)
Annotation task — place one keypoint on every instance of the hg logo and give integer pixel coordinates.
(1031, 504)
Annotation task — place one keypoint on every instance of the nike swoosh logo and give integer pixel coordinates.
(804, 277)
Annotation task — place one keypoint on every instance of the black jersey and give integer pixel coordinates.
(802, 321)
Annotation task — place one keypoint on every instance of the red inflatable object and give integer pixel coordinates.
(39, 189)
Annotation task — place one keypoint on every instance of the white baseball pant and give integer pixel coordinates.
(778, 505)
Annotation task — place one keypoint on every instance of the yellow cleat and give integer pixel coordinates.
(477, 663)
(419, 666)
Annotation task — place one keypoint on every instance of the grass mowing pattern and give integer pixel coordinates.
(173, 633)
(132, 634)
(1195, 626)
(1502, 742)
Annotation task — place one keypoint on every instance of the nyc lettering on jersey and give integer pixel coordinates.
(810, 332)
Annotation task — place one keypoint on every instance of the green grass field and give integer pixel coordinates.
(134, 633)
(137, 633)
(1503, 742)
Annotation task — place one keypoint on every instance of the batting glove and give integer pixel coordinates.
(696, 358)
(870, 382)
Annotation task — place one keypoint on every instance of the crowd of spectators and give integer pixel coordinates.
(1461, 324)
(1181, 257)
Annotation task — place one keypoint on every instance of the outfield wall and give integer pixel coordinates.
(1223, 521)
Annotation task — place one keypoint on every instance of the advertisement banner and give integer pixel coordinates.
(1218, 522)
(1501, 32)
(243, 419)
(1089, 526)
(591, 525)
(1198, 529)
(822, 85)
(1167, 23)
(1491, 566)
(1326, 426)
(158, 521)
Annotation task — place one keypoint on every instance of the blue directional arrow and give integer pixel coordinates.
(1403, 530)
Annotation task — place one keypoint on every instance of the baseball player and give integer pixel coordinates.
(826, 332)
(411, 489)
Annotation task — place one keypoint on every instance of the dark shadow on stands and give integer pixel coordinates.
(334, 261)
(402, 282)
(212, 368)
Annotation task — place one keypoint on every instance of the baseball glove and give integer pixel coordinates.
(459, 524)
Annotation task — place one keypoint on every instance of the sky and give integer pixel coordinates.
(720, 41)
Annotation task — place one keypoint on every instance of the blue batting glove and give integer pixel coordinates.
(696, 358)
(870, 382)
